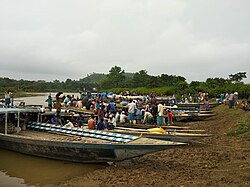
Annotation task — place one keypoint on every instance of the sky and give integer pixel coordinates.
(69, 39)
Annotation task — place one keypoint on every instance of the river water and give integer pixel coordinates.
(23, 170)
(40, 99)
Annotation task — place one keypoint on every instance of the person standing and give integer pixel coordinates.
(7, 96)
(154, 111)
(100, 112)
(231, 100)
(58, 107)
(67, 100)
(111, 107)
(138, 115)
(131, 111)
(160, 114)
(49, 101)
(170, 117)
(207, 101)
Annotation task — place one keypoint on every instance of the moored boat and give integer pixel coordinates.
(148, 126)
(192, 117)
(197, 105)
(77, 145)
(159, 133)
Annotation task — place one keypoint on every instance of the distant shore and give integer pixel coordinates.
(23, 94)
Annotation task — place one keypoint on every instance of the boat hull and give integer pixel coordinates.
(169, 136)
(198, 117)
(76, 151)
(73, 144)
(148, 126)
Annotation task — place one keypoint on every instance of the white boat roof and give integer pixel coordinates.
(17, 110)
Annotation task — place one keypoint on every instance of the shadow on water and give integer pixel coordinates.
(23, 170)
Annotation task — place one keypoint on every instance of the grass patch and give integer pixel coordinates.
(242, 129)
(238, 119)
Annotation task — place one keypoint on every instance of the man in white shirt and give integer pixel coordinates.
(160, 114)
(131, 111)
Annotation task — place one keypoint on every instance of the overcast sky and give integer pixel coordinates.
(60, 39)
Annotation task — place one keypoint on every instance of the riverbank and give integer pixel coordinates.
(221, 160)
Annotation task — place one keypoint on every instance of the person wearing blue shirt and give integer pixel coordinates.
(100, 125)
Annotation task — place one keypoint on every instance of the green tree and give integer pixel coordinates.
(183, 86)
(114, 79)
(238, 77)
(216, 82)
(140, 79)
(170, 80)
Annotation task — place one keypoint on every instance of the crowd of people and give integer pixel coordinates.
(112, 109)
(229, 98)
(107, 112)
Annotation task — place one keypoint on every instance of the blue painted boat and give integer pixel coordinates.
(77, 145)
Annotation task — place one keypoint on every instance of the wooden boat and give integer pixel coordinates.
(162, 134)
(77, 145)
(192, 117)
(202, 116)
(197, 105)
(180, 114)
(148, 126)
(188, 130)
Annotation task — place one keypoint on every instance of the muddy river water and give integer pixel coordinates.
(23, 170)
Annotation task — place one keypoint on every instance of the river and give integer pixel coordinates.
(23, 170)
(39, 99)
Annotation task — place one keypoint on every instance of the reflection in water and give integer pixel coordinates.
(22, 170)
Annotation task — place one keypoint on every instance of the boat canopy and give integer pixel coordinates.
(19, 110)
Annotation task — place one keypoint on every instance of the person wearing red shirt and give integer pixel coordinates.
(170, 117)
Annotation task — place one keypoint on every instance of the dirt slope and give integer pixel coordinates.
(217, 161)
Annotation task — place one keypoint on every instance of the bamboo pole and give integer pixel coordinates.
(6, 122)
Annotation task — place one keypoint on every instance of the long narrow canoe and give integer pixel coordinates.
(147, 126)
(166, 129)
(163, 135)
(79, 145)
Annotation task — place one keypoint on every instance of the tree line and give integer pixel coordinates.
(117, 80)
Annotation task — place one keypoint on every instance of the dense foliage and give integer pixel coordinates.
(117, 80)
